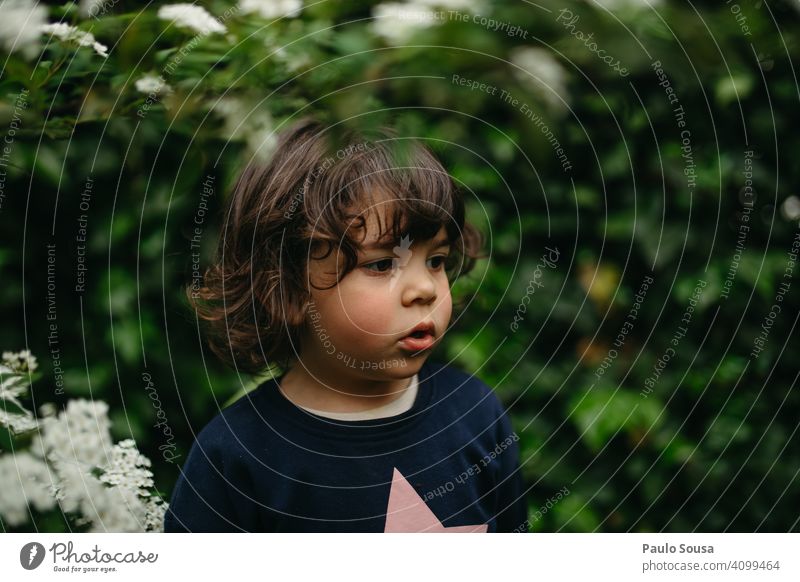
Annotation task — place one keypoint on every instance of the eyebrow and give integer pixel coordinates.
(437, 244)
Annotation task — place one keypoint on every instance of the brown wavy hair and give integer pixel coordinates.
(310, 199)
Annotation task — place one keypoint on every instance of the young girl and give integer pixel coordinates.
(335, 264)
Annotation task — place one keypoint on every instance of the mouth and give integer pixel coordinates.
(422, 337)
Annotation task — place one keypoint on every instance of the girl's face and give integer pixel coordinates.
(358, 326)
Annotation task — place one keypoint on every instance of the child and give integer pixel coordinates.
(335, 265)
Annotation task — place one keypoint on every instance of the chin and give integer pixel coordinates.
(395, 368)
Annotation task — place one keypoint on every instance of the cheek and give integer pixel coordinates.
(371, 315)
(355, 310)
(444, 307)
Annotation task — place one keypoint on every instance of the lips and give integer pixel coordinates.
(422, 337)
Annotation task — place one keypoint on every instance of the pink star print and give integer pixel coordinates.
(407, 512)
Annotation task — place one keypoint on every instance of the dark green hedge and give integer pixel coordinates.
(651, 404)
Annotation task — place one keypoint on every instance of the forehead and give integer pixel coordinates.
(377, 227)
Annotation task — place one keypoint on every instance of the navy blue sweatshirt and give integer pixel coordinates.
(448, 464)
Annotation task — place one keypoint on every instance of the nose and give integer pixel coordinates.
(418, 283)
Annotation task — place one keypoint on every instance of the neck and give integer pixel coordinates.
(318, 385)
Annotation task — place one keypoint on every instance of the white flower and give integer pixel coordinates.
(20, 362)
(69, 33)
(155, 508)
(24, 481)
(152, 84)
(119, 509)
(272, 8)
(625, 5)
(72, 462)
(127, 467)
(791, 208)
(77, 443)
(19, 26)
(126, 504)
(542, 73)
(74, 443)
(18, 422)
(468, 5)
(12, 387)
(190, 16)
(397, 22)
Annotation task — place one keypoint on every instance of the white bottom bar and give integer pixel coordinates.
(389, 557)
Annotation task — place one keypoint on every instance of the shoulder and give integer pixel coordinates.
(234, 426)
(467, 390)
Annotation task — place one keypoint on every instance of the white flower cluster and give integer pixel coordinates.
(193, 17)
(396, 22)
(13, 385)
(20, 362)
(126, 467)
(72, 461)
(26, 482)
(542, 73)
(272, 8)
(127, 471)
(20, 26)
(152, 84)
(69, 33)
(75, 442)
(18, 422)
(24, 21)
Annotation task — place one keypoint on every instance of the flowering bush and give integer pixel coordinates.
(71, 463)
(628, 134)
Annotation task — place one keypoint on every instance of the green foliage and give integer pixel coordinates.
(713, 446)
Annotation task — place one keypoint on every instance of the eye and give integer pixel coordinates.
(437, 262)
(380, 266)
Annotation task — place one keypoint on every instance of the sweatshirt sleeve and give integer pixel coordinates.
(201, 500)
(512, 507)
